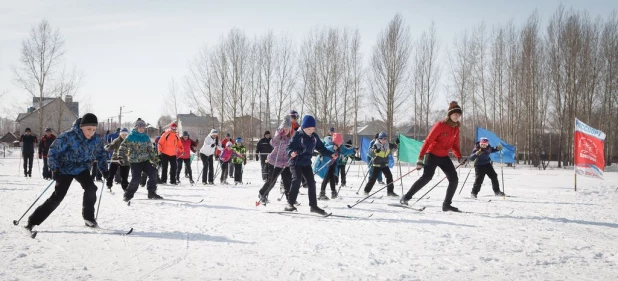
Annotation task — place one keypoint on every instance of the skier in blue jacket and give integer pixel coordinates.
(483, 166)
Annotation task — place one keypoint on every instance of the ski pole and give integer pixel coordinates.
(346, 175)
(399, 162)
(419, 199)
(19, 165)
(16, 222)
(502, 172)
(325, 165)
(385, 186)
(365, 177)
(100, 197)
(464, 183)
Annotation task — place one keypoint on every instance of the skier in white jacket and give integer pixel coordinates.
(211, 144)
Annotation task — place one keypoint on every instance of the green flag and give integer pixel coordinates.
(409, 149)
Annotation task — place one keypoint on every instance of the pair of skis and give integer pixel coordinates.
(33, 233)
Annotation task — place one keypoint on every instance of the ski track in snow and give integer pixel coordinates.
(554, 233)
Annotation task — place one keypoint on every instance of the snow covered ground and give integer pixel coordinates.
(554, 233)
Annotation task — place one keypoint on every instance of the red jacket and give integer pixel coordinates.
(223, 143)
(442, 138)
(187, 146)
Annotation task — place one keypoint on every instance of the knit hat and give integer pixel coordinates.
(286, 123)
(349, 142)
(332, 129)
(173, 126)
(214, 131)
(125, 130)
(227, 135)
(89, 119)
(453, 107)
(48, 129)
(27, 130)
(238, 139)
(117, 130)
(140, 123)
(382, 135)
(308, 122)
(267, 133)
(484, 140)
(294, 114)
(185, 134)
(229, 143)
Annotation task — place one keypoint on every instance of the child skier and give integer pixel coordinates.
(277, 162)
(483, 166)
(70, 157)
(27, 150)
(184, 156)
(239, 161)
(115, 165)
(327, 167)
(444, 136)
(142, 157)
(300, 151)
(380, 151)
(46, 142)
(225, 158)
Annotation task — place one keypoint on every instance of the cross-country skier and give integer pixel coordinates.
(380, 151)
(483, 166)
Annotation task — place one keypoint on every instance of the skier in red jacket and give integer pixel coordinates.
(443, 137)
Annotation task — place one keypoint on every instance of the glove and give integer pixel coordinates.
(397, 140)
(499, 147)
(55, 175)
(462, 160)
(105, 174)
(479, 152)
(40, 156)
(377, 150)
(121, 161)
(419, 164)
(212, 145)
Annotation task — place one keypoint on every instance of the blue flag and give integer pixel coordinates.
(508, 150)
(364, 149)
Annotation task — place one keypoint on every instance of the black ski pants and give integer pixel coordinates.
(375, 172)
(431, 163)
(208, 169)
(480, 172)
(171, 160)
(298, 172)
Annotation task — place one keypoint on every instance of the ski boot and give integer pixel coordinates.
(499, 193)
(473, 195)
(334, 194)
(392, 194)
(403, 200)
(290, 208)
(91, 223)
(449, 208)
(317, 210)
(154, 195)
(322, 196)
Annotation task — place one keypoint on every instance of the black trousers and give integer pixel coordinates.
(187, 168)
(46, 172)
(264, 166)
(431, 164)
(136, 172)
(124, 175)
(238, 172)
(480, 172)
(342, 175)
(375, 172)
(28, 157)
(298, 172)
(171, 160)
(329, 178)
(230, 168)
(208, 169)
(274, 172)
(63, 182)
(224, 166)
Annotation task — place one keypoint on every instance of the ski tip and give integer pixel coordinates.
(370, 216)
(257, 203)
(130, 231)
(349, 206)
(15, 222)
(33, 234)
(128, 203)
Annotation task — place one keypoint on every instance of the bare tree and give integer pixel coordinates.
(389, 63)
(67, 85)
(40, 54)
(172, 99)
(284, 76)
(426, 75)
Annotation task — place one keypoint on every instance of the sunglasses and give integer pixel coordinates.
(382, 138)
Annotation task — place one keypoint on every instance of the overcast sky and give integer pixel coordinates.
(129, 50)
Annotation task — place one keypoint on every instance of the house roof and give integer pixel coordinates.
(192, 120)
(73, 107)
(372, 128)
(8, 137)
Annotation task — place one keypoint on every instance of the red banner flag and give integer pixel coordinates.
(588, 150)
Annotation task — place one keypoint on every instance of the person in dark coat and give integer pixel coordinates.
(262, 149)
(483, 166)
(27, 150)
(70, 157)
(46, 142)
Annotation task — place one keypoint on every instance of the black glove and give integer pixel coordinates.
(257, 158)
(377, 150)
(462, 160)
(55, 175)
(105, 174)
(212, 145)
(397, 140)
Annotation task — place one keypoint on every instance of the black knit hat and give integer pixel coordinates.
(27, 130)
(266, 133)
(89, 119)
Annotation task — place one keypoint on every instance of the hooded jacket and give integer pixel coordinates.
(114, 147)
(207, 148)
(483, 159)
(170, 143)
(137, 148)
(442, 138)
(44, 145)
(278, 157)
(72, 152)
(304, 145)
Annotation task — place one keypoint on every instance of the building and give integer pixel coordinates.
(10, 139)
(198, 127)
(58, 114)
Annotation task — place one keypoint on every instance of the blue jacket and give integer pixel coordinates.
(304, 145)
(483, 159)
(322, 161)
(72, 153)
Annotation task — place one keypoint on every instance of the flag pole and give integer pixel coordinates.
(574, 151)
